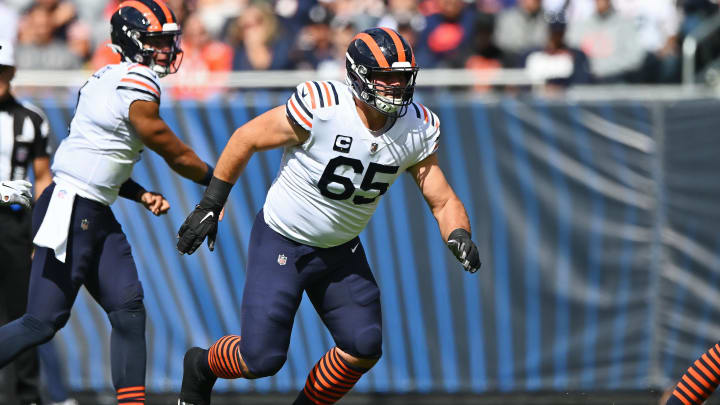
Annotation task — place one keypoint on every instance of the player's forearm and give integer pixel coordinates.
(234, 157)
(451, 216)
(190, 166)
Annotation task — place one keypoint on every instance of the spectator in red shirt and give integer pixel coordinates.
(202, 56)
(103, 55)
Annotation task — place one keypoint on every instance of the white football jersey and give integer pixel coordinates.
(98, 155)
(328, 188)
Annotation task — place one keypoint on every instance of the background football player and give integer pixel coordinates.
(79, 241)
(344, 146)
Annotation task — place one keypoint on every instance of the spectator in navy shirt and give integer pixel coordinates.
(557, 64)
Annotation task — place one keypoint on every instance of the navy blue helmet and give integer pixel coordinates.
(146, 32)
(381, 50)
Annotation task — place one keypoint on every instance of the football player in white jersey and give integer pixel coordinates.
(344, 145)
(78, 240)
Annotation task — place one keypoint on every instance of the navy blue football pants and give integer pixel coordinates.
(98, 257)
(338, 282)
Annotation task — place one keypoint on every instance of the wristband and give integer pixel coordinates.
(216, 194)
(131, 190)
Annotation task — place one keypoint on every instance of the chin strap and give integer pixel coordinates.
(161, 71)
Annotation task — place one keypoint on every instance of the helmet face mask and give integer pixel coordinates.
(161, 50)
(145, 32)
(381, 71)
(392, 99)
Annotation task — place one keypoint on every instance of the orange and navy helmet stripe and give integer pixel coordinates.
(165, 10)
(374, 48)
(403, 51)
(412, 58)
(400, 47)
(154, 23)
(157, 14)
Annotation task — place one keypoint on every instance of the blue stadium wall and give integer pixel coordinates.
(598, 225)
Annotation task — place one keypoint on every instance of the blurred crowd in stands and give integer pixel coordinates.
(562, 41)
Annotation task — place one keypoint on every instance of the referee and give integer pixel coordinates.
(23, 144)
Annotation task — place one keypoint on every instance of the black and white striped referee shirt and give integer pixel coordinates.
(23, 137)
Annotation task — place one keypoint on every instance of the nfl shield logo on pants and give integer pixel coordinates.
(282, 259)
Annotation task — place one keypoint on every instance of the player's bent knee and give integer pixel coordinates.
(40, 331)
(368, 343)
(265, 364)
(129, 319)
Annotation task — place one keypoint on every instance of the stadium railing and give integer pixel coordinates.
(285, 79)
(436, 79)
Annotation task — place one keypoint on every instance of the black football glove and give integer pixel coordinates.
(464, 249)
(203, 221)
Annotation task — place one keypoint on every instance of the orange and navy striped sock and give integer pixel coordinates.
(330, 379)
(224, 357)
(700, 380)
(131, 396)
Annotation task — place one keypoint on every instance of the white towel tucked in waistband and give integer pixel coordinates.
(53, 232)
